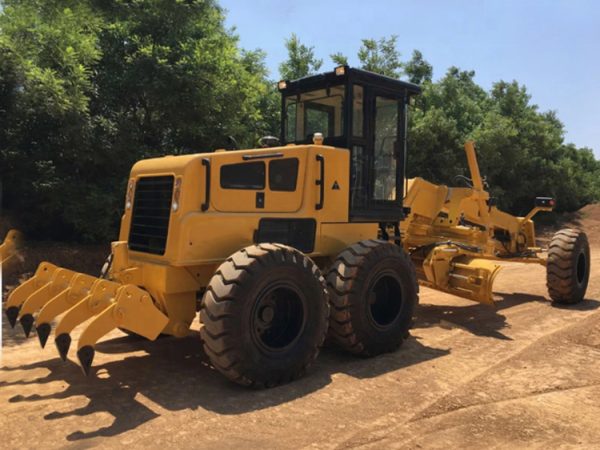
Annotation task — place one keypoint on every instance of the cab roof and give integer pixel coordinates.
(349, 75)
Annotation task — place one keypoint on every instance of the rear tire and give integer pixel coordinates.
(568, 267)
(264, 315)
(373, 293)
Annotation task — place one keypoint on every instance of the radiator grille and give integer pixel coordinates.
(151, 213)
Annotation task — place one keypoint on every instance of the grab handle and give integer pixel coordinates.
(321, 182)
(205, 205)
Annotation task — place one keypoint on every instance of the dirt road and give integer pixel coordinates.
(524, 374)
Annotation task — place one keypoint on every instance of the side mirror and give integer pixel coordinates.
(541, 204)
(545, 202)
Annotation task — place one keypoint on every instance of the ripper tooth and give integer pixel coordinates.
(12, 312)
(86, 357)
(43, 331)
(63, 342)
(26, 323)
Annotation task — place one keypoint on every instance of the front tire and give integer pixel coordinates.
(568, 267)
(373, 293)
(264, 315)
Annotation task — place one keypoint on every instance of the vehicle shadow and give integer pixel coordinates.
(485, 320)
(175, 374)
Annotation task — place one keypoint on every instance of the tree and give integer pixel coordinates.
(93, 86)
(51, 49)
(381, 56)
(339, 59)
(418, 69)
(445, 114)
(301, 60)
(269, 101)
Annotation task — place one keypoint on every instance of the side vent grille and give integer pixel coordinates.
(151, 213)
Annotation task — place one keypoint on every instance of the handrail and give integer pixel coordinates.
(321, 182)
(206, 204)
(262, 156)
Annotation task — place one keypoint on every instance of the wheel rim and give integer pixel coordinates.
(581, 268)
(384, 300)
(278, 318)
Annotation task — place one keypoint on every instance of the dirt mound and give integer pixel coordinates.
(586, 219)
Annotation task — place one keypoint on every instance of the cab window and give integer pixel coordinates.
(243, 176)
(283, 174)
(318, 111)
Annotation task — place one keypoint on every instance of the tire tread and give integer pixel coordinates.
(217, 310)
(563, 252)
(341, 279)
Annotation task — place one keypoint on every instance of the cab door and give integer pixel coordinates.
(378, 159)
(384, 141)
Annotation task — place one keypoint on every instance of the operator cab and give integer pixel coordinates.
(365, 113)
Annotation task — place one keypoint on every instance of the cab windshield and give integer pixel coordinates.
(319, 111)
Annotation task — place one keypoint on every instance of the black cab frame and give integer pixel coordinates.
(365, 113)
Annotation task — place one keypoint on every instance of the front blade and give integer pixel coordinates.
(473, 278)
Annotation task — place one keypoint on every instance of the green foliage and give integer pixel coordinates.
(90, 87)
(339, 59)
(50, 48)
(380, 56)
(417, 69)
(301, 60)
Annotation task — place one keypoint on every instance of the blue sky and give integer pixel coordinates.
(553, 47)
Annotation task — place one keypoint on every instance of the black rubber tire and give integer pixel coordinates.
(568, 268)
(231, 308)
(352, 280)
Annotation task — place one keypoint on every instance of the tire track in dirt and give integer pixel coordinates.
(567, 359)
(558, 360)
(484, 388)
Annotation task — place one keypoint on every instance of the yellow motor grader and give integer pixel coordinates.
(315, 233)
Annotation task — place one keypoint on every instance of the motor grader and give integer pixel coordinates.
(315, 234)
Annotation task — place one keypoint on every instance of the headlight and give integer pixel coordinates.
(176, 193)
(129, 196)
